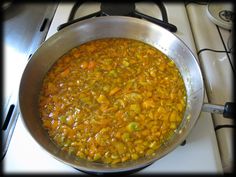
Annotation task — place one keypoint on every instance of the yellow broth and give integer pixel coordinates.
(112, 100)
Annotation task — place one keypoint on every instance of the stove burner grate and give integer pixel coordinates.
(123, 9)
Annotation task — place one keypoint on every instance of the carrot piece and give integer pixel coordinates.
(65, 72)
(91, 64)
(84, 65)
(114, 90)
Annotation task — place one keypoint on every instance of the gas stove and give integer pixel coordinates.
(199, 154)
(212, 30)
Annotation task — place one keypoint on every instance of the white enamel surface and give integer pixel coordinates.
(217, 73)
(28, 157)
(203, 29)
(216, 68)
(218, 82)
(226, 147)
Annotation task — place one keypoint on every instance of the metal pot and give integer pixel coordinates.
(105, 27)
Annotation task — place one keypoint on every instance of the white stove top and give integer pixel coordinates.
(200, 154)
(216, 60)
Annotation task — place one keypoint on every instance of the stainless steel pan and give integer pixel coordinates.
(104, 27)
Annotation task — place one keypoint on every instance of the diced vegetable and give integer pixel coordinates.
(119, 103)
(133, 96)
(84, 65)
(63, 119)
(125, 63)
(133, 126)
(97, 156)
(173, 116)
(173, 125)
(112, 100)
(120, 147)
(134, 156)
(125, 136)
(113, 73)
(114, 90)
(65, 72)
(91, 64)
(136, 108)
(102, 99)
(149, 103)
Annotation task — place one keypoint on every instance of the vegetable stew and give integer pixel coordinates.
(112, 100)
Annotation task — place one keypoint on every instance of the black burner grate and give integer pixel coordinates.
(121, 9)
